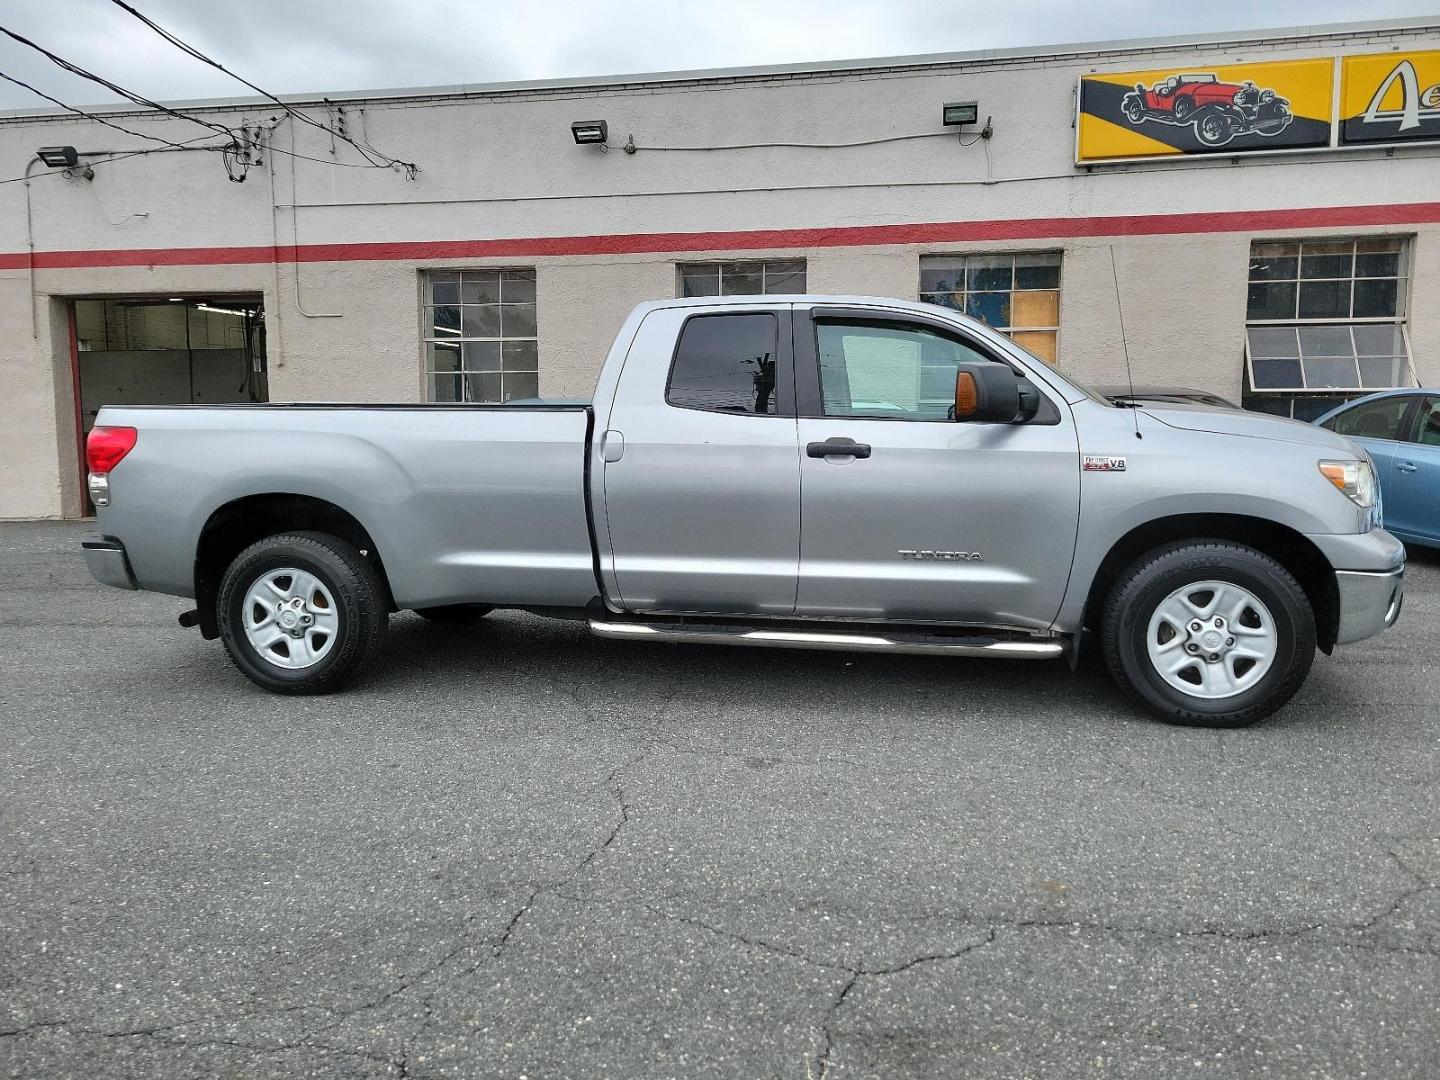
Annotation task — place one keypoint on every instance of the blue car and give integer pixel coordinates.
(1401, 430)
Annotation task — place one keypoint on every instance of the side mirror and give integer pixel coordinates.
(991, 393)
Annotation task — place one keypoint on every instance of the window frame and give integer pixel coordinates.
(965, 256)
(719, 264)
(1404, 279)
(784, 363)
(809, 394)
(428, 337)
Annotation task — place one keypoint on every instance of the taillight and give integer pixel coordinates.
(105, 446)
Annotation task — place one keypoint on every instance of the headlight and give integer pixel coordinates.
(1267, 96)
(1355, 478)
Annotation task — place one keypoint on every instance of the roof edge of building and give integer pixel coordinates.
(762, 72)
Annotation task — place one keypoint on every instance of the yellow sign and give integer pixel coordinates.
(1207, 109)
(1392, 97)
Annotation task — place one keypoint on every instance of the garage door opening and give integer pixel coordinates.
(169, 352)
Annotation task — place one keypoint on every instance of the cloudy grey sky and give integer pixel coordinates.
(288, 46)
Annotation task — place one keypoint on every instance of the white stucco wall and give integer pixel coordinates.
(502, 167)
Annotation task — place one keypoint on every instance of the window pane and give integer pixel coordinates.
(990, 271)
(741, 279)
(1326, 260)
(482, 321)
(991, 308)
(1274, 262)
(444, 287)
(1332, 371)
(785, 277)
(481, 287)
(1385, 264)
(940, 275)
(1384, 372)
(483, 388)
(1040, 342)
(699, 280)
(1377, 297)
(1273, 341)
(517, 320)
(1383, 339)
(725, 363)
(444, 387)
(889, 371)
(444, 322)
(1325, 341)
(1276, 374)
(1325, 299)
(1271, 300)
(523, 384)
(1037, 271)
(1035, 309)
(517, 287)
(442, 356)
(482, 356)
(955, 300)
(520, 356)
(1373, 420)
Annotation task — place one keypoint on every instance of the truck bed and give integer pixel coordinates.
(464, 502)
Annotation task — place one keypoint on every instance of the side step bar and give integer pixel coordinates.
(926, 645)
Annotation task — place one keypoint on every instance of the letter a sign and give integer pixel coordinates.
(1392, 97)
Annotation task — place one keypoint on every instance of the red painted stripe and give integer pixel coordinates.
(934, 232)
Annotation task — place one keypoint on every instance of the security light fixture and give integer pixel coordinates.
(959, 113)
(58, 157)
(588, 132)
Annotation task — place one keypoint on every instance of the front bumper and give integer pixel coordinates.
(1370, 602)
(107, 563)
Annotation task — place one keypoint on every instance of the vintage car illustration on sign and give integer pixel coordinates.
(1217, 111)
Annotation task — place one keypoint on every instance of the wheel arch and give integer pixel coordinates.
(1289, 547)
(233, 527)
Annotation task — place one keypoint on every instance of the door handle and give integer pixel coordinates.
(1406, 466)
(837, 448)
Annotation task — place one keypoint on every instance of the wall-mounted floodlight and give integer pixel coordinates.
(588, 132)
(58, 157)
(959, 113)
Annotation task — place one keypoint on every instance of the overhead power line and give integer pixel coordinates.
(89, 116)
(366, 150)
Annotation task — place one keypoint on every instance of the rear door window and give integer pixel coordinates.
(1381, 419)
(726, 363)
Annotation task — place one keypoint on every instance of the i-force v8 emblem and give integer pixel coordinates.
(1103, 463)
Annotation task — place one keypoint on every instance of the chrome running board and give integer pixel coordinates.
(919, 645)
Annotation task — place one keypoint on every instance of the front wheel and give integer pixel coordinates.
(301, 613)
(1214, 129)
(1209, 633)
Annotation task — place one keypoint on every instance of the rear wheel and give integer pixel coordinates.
(301, 613)
(454, 614)
(1209, 632)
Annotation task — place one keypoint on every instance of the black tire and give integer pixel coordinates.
(454, 614)
(1214, 128)
(1183, 109)
(360, 604)
(1145, 584)
(1134, 110)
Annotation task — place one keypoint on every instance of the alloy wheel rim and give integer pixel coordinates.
(1212, 640)
(290, 618)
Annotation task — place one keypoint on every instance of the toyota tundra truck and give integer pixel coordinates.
(845, 473)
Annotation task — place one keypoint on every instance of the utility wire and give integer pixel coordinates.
(122, 157)
(115, 88)
(89, 116)
(366, 150)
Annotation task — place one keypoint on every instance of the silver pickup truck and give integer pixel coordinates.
(844, 473)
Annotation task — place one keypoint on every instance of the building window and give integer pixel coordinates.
(480, 339)
(1325, 321)
(1018, 294)
(750, 278)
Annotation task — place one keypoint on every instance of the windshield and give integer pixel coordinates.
(1099, 399)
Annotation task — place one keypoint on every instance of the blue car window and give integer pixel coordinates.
(1427, 431)
(1372, 419)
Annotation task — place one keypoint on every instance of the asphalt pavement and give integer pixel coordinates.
(517, 851)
